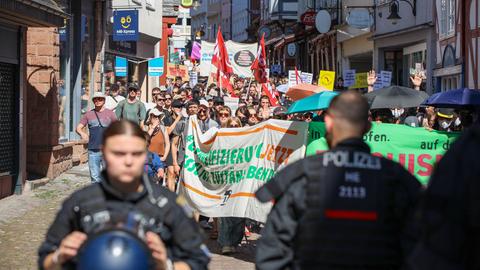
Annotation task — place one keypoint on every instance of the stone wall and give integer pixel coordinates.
(45, 156)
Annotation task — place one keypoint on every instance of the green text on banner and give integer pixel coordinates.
(224, 167)
(417, 149)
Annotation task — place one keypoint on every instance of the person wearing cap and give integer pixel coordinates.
(444, 119)
(131, 108)
(97, 120)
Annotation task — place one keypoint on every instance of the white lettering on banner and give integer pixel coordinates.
(359, 160)
(351, 192)
(225, 167)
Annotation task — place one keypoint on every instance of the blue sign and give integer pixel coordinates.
(276, 69)
(62, 31)
(156, 67)
(121, 66)
(125, 25)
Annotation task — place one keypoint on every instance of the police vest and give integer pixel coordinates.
(351, 220)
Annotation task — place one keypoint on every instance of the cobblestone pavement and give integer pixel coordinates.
(24, 220)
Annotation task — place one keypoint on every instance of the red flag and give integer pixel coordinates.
(267, 89)
(259, 66)
(222, 62)
(297, 76)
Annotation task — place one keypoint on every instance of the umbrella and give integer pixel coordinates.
(454, 98)
(395, 97)
(303, 90)
(282, 88)
(314, 102)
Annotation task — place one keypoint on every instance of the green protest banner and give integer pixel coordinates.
(417, 149)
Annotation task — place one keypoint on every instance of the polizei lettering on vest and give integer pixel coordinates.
(359, 160)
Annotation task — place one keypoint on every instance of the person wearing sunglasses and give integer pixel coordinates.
(253, 118)
(205, 122)
(223, 115)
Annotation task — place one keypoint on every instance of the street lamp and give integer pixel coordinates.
(394, 7)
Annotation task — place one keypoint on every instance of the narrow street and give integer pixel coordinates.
(24, 220)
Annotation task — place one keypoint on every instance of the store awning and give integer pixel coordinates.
(36, 13)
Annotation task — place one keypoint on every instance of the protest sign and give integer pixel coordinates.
(326, 79)
(348, 77)
(378, 83)
(174, 70)
(292, 78)
(360, 81)
(306, 77)
(223, 168)
(417, 149)
(241, 57)
(386, 78)
(193, 78)
(232, 103)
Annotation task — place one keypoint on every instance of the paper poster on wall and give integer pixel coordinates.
(349, 77)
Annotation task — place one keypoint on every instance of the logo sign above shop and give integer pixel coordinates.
(291, 49)
(360, 18)
(264, 30)
(121, 69)
(156, 67)
(323, 21)
(125, 25)
(308, 18)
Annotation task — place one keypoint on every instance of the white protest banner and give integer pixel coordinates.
(241, 57)
(349, 77)
(224, 167)
(306, 77)
(232, 103)
(292, 78)
(386, 78)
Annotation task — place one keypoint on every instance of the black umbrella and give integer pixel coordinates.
(395, 97)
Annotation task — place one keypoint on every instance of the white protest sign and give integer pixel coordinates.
(349, 77)
(225, 167)
(193, 78)
(379, 82)
(306, 77)
(386, 78)
(232, 103)
(292, 78)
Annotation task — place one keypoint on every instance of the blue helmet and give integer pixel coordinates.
(115, 250)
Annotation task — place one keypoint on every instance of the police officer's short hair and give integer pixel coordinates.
(351, 107)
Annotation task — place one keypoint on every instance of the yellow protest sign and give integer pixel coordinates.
(360, 81)
(326, 79)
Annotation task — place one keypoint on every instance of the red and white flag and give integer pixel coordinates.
(259, 66)
(270, 93)
(222, 62)
(297, 76)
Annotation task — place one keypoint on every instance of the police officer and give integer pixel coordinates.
(342, 209)
(172, 237)
(450, 218)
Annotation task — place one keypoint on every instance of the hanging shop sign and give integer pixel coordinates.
(323, 21)
(156, 67)
(308, 18)
(360, 18)
(125, 25)
(292, 49)
(121, 66)
(265, 30)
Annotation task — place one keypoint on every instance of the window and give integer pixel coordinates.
(447, 18)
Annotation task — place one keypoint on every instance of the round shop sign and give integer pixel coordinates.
(323, 21)
(244, 58)
(265, 30)
(291, 49)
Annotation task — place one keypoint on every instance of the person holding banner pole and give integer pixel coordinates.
(342, 209)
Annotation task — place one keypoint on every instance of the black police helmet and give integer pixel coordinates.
(115, 250)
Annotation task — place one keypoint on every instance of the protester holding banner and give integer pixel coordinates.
(342, 209)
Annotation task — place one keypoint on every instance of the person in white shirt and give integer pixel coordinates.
(114, 98)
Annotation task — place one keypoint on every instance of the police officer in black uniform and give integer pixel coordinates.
(450, 212)
(125, 196)
(342, 209)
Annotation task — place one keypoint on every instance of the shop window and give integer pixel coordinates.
(450, 82)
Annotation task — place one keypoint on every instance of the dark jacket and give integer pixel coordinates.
(322, 201)
(179, 232)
